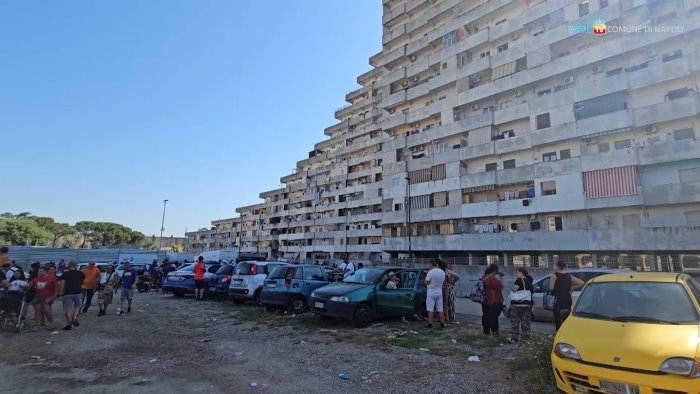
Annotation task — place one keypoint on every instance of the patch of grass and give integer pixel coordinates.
(533, 367)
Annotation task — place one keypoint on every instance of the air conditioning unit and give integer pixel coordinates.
(650, 53)
(475, 107)
(597, 70)
(515, 36)
(568, 80)
(531, 217)
(650, 129)
(518, 93)
(474, 220)
(412, 58)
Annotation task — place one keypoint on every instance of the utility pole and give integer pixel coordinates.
(408, 216)
(162, 224)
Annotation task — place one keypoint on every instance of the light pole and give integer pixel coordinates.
(408, 215)
(162, 224)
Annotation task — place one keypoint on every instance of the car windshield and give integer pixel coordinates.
(642, 302)
(364, 276)
(225, 269)
(243, 268)
(279, 273)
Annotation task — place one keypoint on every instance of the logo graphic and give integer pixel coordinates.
(599, 28)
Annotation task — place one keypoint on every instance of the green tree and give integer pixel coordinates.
(85, 228)
(19, 231)
(57, 229)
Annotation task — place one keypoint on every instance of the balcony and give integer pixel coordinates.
(479, 179)
(394, 14)
(394, 55)
(520, 111)
(540, 10)
(674, 109)
(513, 144)
(480, 209)
(672, 193)
(416, 67)
(394, 99)
(474, 152)
(610, 121)
(658, 72)
(476, 121)
(417, 45)
(558, 167)
(394, 34)
(610, 159)
(586, 89)
(418, 91)
(515, 175)
(656, 238)
(469, 42)
(394, 121)
(670, 151)
(512, 24)
(550, 135)
(446, 77)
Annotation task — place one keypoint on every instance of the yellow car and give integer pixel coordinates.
(631, 333)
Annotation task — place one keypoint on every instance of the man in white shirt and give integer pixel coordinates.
(433, 301)
(347, 268)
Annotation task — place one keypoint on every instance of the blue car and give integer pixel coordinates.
(217, 284)
(181, 282)
(290, 286)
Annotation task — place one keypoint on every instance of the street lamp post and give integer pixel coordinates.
(162, 225)
(408, 215)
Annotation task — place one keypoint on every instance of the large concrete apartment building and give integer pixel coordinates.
(506, 131)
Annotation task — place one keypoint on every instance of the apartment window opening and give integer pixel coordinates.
(491, 166)
(684, 134)
(550, 156)
(583, 8)
(549, 188)
(543, 121)
(554, 223)
(508, 164)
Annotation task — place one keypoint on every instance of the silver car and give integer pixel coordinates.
(541, 287)
(248, 281)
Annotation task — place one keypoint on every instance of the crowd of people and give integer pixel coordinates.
(74, 288)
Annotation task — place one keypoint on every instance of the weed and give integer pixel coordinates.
(533, 366)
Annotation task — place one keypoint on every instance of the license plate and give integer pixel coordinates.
(618, 388)
(212, 288)
(319, 305)
(272, 284)
(238, 282)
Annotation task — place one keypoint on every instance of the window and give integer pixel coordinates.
(551, 156)
(602, 3)
(502, 48)
(313, 273)
(449, 39)
(395, 182)
(440, 199)
(502, 21)
(509, 164)
(623, 144)
(613, 72)
(684, 134)
(583, 8)
(484, 54)
(678, 93)
(554, 223)
(398, 207)
(603, 147)
(549, 188)
(543, 121)
(565, 154)
(600, 105)
(545, 92)
(504, 105)
(672, 56)
(537, 33)
(491, 166)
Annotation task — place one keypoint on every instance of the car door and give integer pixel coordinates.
(540, 288)
(399, 301)
(313, 279)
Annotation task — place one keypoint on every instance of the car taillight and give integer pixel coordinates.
(288, 277)
(253, 269)
(227, 278)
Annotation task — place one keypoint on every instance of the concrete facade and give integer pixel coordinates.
(471, 101)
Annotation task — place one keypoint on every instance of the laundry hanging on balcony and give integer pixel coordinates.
(611, 182)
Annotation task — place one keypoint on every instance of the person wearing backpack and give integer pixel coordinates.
(521, 305)
(493, 302)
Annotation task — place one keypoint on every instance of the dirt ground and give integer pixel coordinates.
(175, 345)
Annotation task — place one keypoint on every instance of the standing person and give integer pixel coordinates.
(45, 293)
(153, 275)
(106, 289)
(493, 304)
(70, 288)
(448, 291)
(128, 284)
(199, 283)
(521, 311)
(434, 280)
(91, 274)
(560, 285)
(34, 271)
(61, 267)
(347, 268)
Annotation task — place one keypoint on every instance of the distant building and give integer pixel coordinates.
(224, 234)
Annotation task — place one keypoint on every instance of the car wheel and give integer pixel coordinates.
(296, 305)
(256, 298)
(362, 316)
(178, 293)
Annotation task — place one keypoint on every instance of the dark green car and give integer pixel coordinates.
(362, 296)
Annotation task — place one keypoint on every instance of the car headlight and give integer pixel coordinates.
(564, 350)
(313, 294)
(339, 299)
(681, 366)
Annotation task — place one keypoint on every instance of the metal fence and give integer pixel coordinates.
(25, 256)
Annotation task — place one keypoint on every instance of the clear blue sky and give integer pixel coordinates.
(109, 107)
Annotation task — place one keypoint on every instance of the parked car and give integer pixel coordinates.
(291, 286)
(101, 266)
(181, 282)
(218, 283)
(362, 297)
(631, 333)
(247, 283)
(140, 269)
(541, 287)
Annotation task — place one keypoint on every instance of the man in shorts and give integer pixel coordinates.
(199, 283)
(92, 275)
(70, 288)
(128, 284)
(434, 280)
